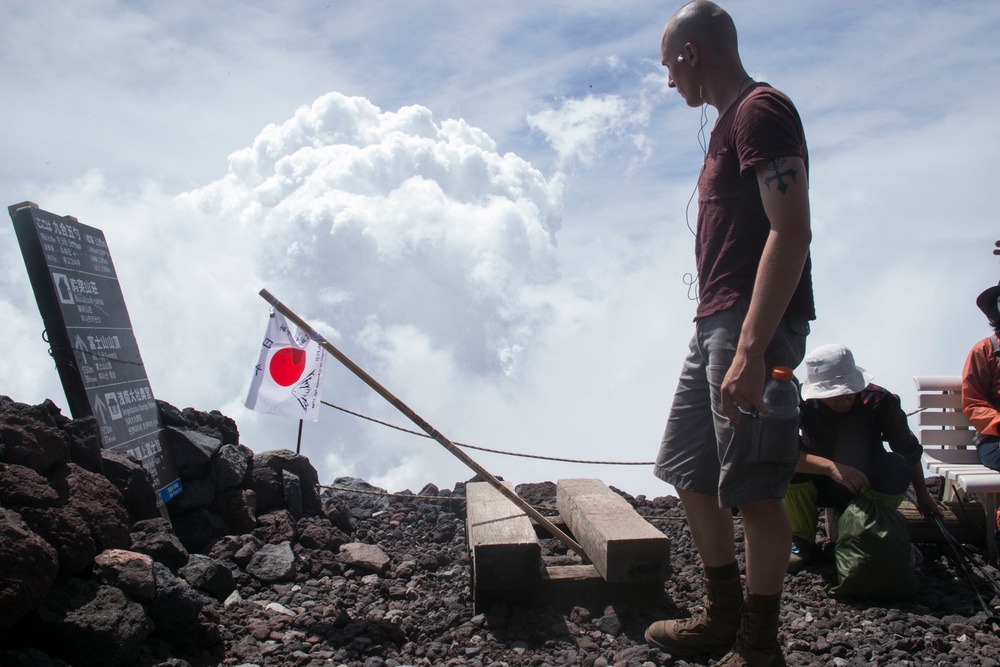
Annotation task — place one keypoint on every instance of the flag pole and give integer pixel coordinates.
(298, 443)
(427, 428)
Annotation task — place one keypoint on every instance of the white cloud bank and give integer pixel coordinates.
(425, 247)
(579, 127)
(389, 219)
(420, 251)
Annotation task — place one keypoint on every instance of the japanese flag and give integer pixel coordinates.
(286, 380)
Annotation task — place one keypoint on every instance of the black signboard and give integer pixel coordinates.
(96, 354)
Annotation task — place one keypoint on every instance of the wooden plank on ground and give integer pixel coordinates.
(567, 586)
(503, 547)
(965, 521)
(622, 546)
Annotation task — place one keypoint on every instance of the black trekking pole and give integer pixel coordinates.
(966, 563)
(964, 560)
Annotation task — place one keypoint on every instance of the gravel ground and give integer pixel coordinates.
(421, 611)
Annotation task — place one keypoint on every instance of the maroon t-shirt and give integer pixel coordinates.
(761, 125)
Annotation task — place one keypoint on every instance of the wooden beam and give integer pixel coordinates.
(567, 586)
(965, 521)
(504, 549)
(622, 546)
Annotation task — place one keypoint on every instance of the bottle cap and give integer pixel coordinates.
(781, 373)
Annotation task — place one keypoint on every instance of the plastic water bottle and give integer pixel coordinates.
(779, 438)
(781, 394)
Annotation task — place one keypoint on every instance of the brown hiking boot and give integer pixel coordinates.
(741, 656)
(713, 631)
(756, 644)
(690, 636)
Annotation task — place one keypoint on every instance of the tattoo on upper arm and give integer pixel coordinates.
(774, 169)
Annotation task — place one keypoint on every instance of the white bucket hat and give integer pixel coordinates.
(831, 371)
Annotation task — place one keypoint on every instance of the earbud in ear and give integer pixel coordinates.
(680, 59)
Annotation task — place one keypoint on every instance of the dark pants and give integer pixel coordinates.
(989, 452)
(888, 473)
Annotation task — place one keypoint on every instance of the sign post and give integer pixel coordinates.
(90, 334)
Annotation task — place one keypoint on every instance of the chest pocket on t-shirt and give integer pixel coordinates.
(721, 179)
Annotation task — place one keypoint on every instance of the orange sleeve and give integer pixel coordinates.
(978, 379)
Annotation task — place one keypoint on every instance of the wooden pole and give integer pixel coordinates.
(427, 428)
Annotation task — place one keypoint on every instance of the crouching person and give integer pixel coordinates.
(845, 421)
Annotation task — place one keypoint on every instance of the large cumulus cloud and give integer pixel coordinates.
(392, 220)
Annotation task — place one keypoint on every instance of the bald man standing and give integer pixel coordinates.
(755, 305)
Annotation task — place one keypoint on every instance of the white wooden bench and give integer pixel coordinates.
(949, 447)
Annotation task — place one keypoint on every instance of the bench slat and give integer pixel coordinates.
(958, 461)
(979, 480)
(962, 466)
(940, 401)
(953, 470)
(938, 382)
(953, 419)
(951, 455)
(947, 438)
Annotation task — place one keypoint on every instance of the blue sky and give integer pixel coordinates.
(483, 205)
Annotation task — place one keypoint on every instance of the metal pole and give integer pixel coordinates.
(298, 443)
(427, 428)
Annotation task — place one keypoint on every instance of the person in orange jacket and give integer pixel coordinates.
(981, 383)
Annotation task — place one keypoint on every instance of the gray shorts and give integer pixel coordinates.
(698, 434)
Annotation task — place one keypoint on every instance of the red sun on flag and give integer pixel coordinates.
(286, 366)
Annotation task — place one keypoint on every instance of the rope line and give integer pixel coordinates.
(416, 497)
(506, 453)
(486, 449)
(492, 451)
